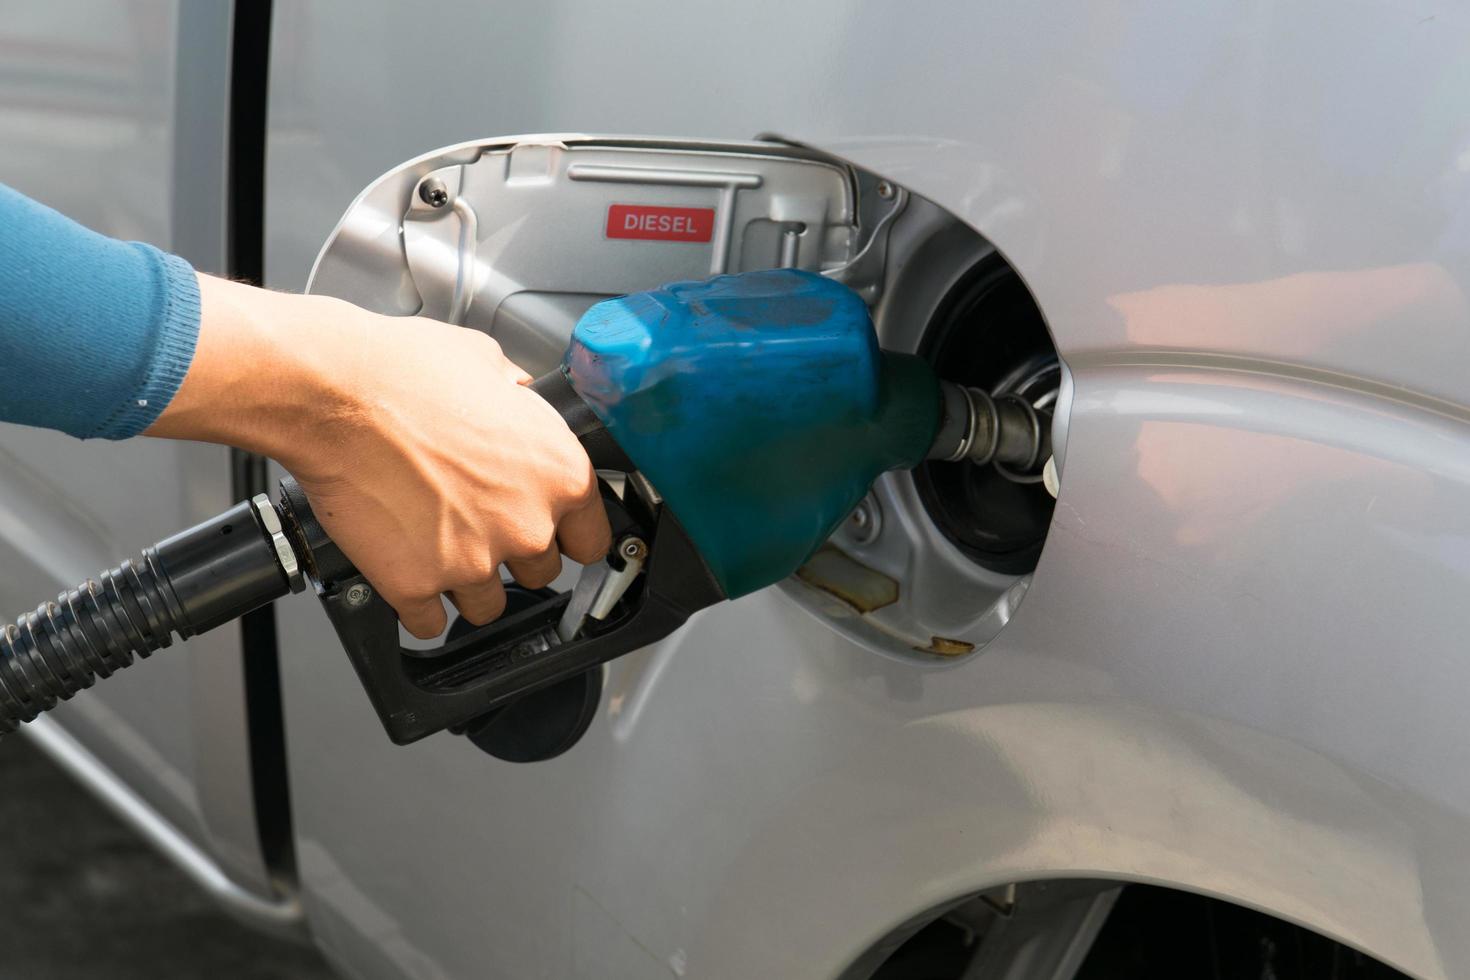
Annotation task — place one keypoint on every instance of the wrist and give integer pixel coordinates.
(267, 372)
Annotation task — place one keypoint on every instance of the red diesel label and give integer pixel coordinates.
(656, 224)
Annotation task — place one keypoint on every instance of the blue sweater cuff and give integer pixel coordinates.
(95, 334)
(177, 302)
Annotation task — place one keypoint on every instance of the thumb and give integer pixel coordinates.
(515, 372)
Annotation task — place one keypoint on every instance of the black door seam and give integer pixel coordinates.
(245, 261)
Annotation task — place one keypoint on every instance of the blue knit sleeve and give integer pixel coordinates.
(95, 334)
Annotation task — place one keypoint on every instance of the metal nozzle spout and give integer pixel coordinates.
(1005, 430)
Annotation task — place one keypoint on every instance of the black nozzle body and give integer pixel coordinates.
(184, 585)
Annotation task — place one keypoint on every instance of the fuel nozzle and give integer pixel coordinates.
(1004, 430)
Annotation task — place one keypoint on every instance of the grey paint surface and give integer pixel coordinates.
(113, 113)
(1239, 667)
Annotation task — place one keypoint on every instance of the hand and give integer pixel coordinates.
(421, 451)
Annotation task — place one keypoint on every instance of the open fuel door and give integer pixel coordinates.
(518, 237)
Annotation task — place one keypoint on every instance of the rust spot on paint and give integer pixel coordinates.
(837, 574)
(945, 647)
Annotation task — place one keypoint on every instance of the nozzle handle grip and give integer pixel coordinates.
(419, 692)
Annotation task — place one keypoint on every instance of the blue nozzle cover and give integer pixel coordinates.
(760, 407)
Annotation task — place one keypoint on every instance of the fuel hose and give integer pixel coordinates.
(184, 585)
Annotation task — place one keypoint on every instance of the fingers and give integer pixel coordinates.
(537, 572)
(584, 535)
(424, 618)
(480, 602)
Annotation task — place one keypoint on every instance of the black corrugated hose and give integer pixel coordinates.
(186, 584)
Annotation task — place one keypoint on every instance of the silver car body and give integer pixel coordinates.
(1239, 666)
